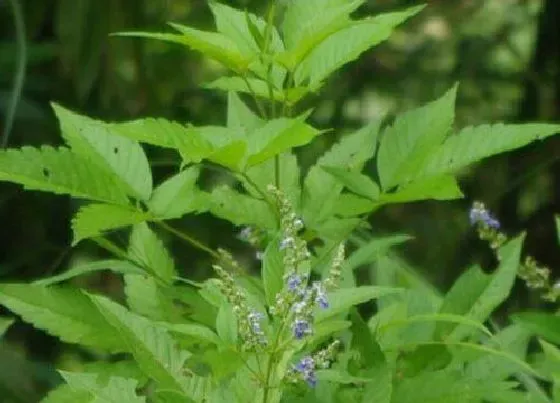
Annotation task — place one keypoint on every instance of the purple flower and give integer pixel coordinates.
(306, 367)
(321, 296)
(286, 242)
(254, 319)
(293, 282)
(479, 214)
(300, 328)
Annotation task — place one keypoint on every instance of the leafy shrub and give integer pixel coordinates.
(294, 333)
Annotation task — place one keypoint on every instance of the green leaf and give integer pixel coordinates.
(116, 390)
(192, 330)
(240, 115)
(272, 271)
(343, 299)
(122, 156)
(320, 189)
(261, 175)
(542, 324)
(355, 182)
(149, 298)
(473, 144)
(226, 324)
(413, 137)
(58, 170)
(65, 394)
(253, 86)
(117, 266)
(277, 136)
(488, 292)
(232, 23)
(558, 228)
(364, 342)
(95, 219)
(372, 250)
(152, 347)
(443, 187)
(347, 44)
(61, 311)
(5, 323)
(192, 145)
(213, 45)
(178, 196)
(307, 24)
(240, 209)
(147, 248)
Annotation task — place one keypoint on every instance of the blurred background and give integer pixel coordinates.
(504, 53)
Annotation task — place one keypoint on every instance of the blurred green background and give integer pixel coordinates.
(504, 53)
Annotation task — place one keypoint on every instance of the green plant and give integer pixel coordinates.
(293, 333)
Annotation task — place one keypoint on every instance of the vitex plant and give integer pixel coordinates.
(292, 334)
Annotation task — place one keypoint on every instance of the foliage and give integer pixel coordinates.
(276, 331)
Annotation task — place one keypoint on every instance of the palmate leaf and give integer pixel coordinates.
(473, 144)
(240, 116)
(251, 86)
(542, 324)
(116, 266)
(94, 219)
(61, 311)
(347, 44)
(355, 182)
(321, 189)
(65, 394)
(58, 170)
(152, 347)
(123, 157)
(116, 390)
(149, 298)
(412, 138)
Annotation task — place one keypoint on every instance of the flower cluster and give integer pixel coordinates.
(487, 225)
(538, 278)
(249, 320)
(305, 368)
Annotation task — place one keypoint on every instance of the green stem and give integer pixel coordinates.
(260, 107)
(189, 239)
(271, 361)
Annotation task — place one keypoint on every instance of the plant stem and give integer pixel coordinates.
(189, 239)
(271, 361)
(260, 107)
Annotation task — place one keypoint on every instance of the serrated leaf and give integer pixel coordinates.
(410, 141)
(343, 299)
(240, 209)
(372, 250)
(65, 394)
(116, 390)
(192, 330)
(93, 139)
(542, 324)
(262, 175)
(58, 170)
(190, 143)
(240, 115)
(473, 144)
(232, 23)
(355, 181)
(5, 323)
(307, 24)
(117, 266)
(226, 324)
(443, 187)
(178, 196)
(348, 44)
(492, 290)
(152, 347)
(253, 86)
(320, 189)
(212, 44)
(277, 136)
(145, 296)
(147, 248)
(93, 220)
(61, 311)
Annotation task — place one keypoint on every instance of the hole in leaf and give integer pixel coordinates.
(46, 173)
